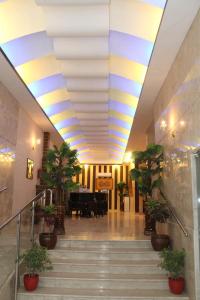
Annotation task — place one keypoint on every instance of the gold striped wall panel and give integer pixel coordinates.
(119, 173)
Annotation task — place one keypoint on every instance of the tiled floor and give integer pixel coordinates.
(114, 226)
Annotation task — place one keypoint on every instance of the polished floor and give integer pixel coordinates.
(113, 226)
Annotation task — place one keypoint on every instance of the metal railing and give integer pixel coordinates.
(2, 189)
(174, 215)
(41, 196)
(178, 221)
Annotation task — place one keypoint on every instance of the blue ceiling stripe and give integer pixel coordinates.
(130, 47)
(71, 134)
(66, 123)
(121, 108)
(116, 141)
(159, 3)
(125, 85)
(119, 123)
(118, 133)
(58, 107)
(47, 85)
(111, 147)
(82, 140)
(27, 48)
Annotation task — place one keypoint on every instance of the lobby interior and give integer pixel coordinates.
(109, 77)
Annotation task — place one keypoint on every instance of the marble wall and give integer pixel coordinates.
(9, 112)
(29, 145)
(177, 127)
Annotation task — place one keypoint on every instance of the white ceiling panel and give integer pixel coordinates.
(93, 129)
(90, 107)
(94, 116)
(85, 68)
(77, 20)
(81, 47)
(94, 122)
(89, 97)
(87, 84)
(72, 2)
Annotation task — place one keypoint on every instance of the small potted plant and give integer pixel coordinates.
(36, 260)
(158, 212)
(49, 214)
(173, 262)
(48, 239)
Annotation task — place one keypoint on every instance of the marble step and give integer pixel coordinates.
(97, 294)
(104, 254)
(110, 266)
(103, 281)
(104, 244)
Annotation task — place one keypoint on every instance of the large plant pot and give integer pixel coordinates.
(176, 285)
(160, 241)
(48, 240)
(59, 226)
(31, 282)
(150, 225)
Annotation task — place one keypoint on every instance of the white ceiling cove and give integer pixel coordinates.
(85, 62)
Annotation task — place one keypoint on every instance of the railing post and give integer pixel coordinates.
(18, 254)
(44, 197)
(32, 222)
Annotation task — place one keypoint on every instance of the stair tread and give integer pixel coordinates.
(106, 241)
(105, 262)
(104, 276)
(103, 250)
(102, 293)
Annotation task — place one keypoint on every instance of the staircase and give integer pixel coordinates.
(116, 270)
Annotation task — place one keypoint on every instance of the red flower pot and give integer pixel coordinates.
(176, 285)
(31, 282)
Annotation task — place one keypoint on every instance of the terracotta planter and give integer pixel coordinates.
(59, 226)
(48, 240)
(176, 285)
(160, 241)
(31, 282)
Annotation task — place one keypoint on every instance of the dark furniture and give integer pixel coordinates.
(88, 204)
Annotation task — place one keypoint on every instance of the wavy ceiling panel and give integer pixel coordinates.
(85, 62)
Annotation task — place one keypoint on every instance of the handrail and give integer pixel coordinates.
(37, 197)
(173, 213)
(3, 189)
(178, 221)
(17, 215)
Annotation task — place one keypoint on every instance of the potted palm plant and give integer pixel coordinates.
(122, 188)
(159, 212)
(61, 165)
(36, 260)
(173, 262)
(147, 174)
(48, 239)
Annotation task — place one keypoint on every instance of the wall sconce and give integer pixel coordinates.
(35, 142)
(163, 124)
(182, 123)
